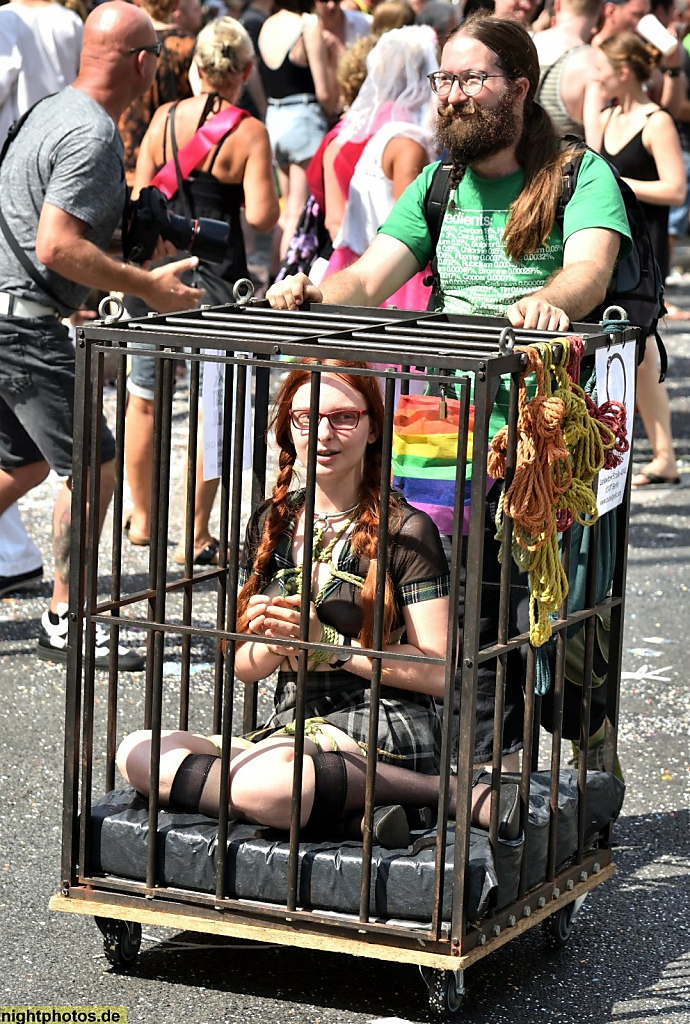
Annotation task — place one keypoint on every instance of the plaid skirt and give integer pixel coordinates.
(409, 726)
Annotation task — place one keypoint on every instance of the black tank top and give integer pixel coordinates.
(634, 161)
(205, 196)
(289, 79)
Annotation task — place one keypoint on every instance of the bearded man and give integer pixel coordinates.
(500, 251)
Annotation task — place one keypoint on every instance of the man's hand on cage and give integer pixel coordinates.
(166, 293)
(532, 313)
(292, 292)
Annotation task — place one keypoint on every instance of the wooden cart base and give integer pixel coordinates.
(292, 933)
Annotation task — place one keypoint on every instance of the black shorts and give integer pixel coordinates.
(37, 366)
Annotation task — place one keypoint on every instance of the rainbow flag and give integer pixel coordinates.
(425, 446)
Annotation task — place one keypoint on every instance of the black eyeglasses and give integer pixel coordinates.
(151, 48)
(471, 82)
(339, 419)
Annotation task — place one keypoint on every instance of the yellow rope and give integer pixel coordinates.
(560, 449)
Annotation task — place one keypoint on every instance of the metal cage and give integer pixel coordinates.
(165, 610)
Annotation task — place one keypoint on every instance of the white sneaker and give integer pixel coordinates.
(677, 275)
(52, 643)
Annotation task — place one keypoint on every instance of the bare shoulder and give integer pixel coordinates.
(161, 113)
(311, 29)
(584, 56)
(656, 119)
(251, 130)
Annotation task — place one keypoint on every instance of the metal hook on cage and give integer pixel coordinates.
(614, 318)
(506, 341)
(622, 314)
(105, 309)
(243, 291)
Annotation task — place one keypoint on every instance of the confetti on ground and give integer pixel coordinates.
(651, 675)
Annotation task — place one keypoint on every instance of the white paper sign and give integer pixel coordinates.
(212, 399)
(615, 368)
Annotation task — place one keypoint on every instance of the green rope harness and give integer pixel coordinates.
(292, 580)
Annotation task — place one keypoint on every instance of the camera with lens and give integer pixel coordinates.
(148, 218)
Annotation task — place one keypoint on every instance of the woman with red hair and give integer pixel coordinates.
(345, 541)
(342, 585)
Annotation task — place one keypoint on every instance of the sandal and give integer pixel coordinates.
(134, 538)
(647, 479)
(207, 555)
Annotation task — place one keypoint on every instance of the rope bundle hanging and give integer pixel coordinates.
(543, 474)
(561, 446)
(611, 414)
(588, 440)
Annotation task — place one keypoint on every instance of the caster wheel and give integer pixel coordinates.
(121, 941)
(558, 927)
(446, 993)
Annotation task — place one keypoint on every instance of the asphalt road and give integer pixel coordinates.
(628, 959)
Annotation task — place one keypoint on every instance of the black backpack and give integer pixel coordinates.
(637, 285)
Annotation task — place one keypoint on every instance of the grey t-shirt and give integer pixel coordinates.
(68, 153)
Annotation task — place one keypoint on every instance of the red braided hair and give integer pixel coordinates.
(365, 536)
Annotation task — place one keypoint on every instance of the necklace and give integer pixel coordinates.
(322, 519)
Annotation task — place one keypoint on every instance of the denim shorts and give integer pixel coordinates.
(142, 373)
(37, 395)
(295, 131)
(141, 379)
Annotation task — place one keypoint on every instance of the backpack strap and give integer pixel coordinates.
(16, 126)
(436, 201)
(14, 245)
(576, 149)
(435, 205)
(176, 162)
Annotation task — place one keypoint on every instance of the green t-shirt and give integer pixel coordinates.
(476, 276)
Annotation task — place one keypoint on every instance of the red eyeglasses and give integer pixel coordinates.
(339, 419)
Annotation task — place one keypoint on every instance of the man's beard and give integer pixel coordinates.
(473, 137)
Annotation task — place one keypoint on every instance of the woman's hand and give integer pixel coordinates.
(257, 609)
(278, 618)
(281, 619)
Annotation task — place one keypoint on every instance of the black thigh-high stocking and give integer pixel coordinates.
(396, 785)
(340, 789)
(196, 786)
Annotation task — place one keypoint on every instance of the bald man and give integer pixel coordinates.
(62, 191)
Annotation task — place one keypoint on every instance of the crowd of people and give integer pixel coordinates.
(341, 108)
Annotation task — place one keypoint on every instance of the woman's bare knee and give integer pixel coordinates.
(134, 756)
(133, 759)
(261, 786)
